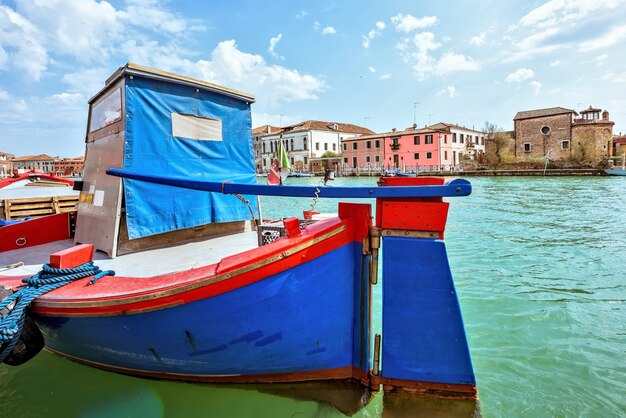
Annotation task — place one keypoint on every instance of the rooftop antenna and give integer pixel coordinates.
(414, 110)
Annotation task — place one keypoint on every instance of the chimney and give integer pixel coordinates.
(393, 129)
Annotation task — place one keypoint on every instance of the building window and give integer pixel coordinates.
(354, 145)
(482, 140)
(395, 146)
(367, 159)
(377, 143)
(305, 143)
(368, 144)
(416, 156)
(528, 147)
(345, 160)
(445, 155)
(345, 147)
(545, 130)
(445, 139)
(428, 139)
(317, 146)
(334, 147)
(461, 138)
(416, 140)
(354, 162)
(377, 158)
(429, 155)
(306, 160)
(264, 148)
(325, 146)
(291, 141)
(564, 144)
(454, 137)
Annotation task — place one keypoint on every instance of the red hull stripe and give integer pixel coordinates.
(127, 295)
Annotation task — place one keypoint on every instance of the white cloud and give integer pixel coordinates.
(599, 60)
(450, 63)
(250, 72)
(272, 48)
(73, 98)
(385, 76)
(4, 95)
(417, 51)
(301, 15)
(555, 63)
(612, 77)
(409, 23)
(449, 90)
(373, 33)
(446, 39)
(609, 38)
(329, 30)
(556, 12)
(535, 86)
(520, 75)
(479, 40)
(372, 70)
(44, 32)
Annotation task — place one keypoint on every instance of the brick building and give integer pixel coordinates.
(69, 167)
(557, 133)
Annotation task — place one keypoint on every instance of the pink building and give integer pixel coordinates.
(363, 153)
(436, 147)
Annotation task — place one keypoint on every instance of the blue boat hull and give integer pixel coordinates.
(305, 319)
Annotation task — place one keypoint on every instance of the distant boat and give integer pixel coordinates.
(300, 174)
(618, 171)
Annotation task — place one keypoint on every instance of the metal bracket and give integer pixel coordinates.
(405, 233)
(374, 245)
(376, 361)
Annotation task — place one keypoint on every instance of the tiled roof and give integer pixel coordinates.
(7, 154)
(550, 111)
(40, 157)
(590, 109)
(266, 129)
(318, 125)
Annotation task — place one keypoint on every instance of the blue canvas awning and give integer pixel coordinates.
(211, 140)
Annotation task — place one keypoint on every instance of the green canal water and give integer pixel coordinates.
(540, 269)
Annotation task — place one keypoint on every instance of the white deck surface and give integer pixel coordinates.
(141, 264)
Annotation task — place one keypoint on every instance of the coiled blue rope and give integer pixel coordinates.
(48, 279)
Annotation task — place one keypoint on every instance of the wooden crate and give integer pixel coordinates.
(37, 206)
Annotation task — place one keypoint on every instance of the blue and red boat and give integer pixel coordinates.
(169, 201)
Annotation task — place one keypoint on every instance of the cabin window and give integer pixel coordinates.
(528, 147)
(565, 144)
(196, 127)
(106, 111)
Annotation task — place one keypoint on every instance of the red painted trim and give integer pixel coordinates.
(35, 232)
(125, 295)
(33, 173)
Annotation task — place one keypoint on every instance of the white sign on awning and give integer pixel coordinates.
(196, 127)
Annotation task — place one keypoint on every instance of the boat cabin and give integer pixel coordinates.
(158, 122)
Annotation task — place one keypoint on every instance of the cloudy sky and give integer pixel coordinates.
(382, 64)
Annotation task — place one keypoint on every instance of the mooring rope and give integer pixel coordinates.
(48, 279)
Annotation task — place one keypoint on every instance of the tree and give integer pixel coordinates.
(331, 154)
(498, 145)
